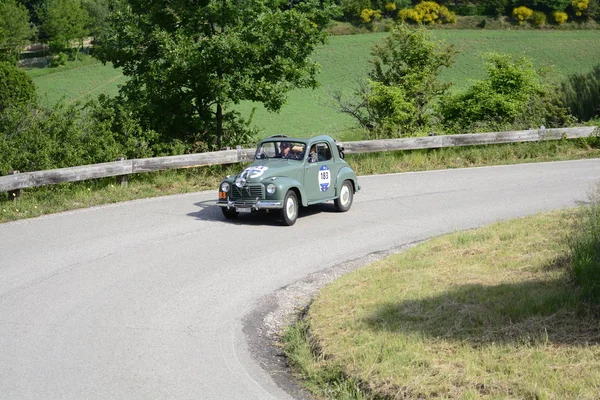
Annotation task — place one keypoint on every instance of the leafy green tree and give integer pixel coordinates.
(15, 30)
(514, 95)
(62, 22)
(16, 87)
(403, 84)
(189, 62)
(98, 11)
(544, 5)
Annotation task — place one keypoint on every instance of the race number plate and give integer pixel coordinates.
(243, 209)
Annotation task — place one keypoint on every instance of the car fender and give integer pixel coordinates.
(346, 173)
(284, 184)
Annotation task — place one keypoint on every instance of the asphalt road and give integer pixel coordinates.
(148, 299)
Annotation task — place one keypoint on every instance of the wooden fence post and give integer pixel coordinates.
(14, 194)
(122, 180)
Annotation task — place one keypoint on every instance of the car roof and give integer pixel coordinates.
(279, 138)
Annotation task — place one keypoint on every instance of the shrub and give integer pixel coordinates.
(538, 18)
(580, 7)
(514, 95)
(428, 12)
(368, 15)
(560, 17)
(58, 60)
(16, 87)
(522, 13)
(581, 94)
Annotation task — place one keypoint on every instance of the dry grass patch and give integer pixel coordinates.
(488, 313)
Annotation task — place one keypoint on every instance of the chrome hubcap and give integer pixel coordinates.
(345, 195)
(290, 207)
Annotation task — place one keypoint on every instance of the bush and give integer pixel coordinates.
(367, 15)
(16, 87)
(581, 94)
(514, 95)
(538, 18)
(58, 60)
(33, 139)
(580, 7)
(522, 13)
(585, 251)
(560, 17)
(428, 12)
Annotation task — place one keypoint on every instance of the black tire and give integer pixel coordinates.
(344, 201)
(229, 213)
(289, 212)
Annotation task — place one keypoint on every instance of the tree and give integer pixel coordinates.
(15, 30)
(16, 87)
(63, 21)
(98, 11)
(190, 61)
(403, 83)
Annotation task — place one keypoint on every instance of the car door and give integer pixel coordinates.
(320, 174)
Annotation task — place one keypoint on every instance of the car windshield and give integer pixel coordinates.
(281, 149)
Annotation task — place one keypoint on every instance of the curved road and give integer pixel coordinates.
(146, 299)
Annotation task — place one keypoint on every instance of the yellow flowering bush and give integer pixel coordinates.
(428, 12)
(367, 15)
(522, 13)
(389, 7)
(559, 17)
(580, 6)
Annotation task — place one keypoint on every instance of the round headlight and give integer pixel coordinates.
(271, 188)
(225, 187)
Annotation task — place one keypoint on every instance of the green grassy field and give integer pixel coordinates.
(346, 58)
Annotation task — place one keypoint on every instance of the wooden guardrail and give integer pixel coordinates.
(19, 181)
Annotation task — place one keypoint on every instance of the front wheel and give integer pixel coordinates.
(344, 201)
(289, 212)
(229, 213)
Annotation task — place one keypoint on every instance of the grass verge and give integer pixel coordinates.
(51, 199)
(485, 314)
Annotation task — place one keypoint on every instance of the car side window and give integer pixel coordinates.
(323, 152)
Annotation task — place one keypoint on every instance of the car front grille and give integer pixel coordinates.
(247, 192)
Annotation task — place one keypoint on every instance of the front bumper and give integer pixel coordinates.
(254, 205)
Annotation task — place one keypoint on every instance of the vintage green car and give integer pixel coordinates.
(289, 172)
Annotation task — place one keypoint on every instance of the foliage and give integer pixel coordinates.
(581, 94)
(579, 7)
(538, 18)
(190, 62)
(367, 15)
(16, 87)
(522, 13)
(15, 31)
(428, 12)
(514, 95)
(585, 250)
(546, 6)
(98, 12)
(412, 60)
(403, 84)
(33, 139)
(63, 21)
(560, 17)
(58, 60)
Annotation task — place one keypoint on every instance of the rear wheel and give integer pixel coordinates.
(229, 213)
(289, 212)
(344, 201)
